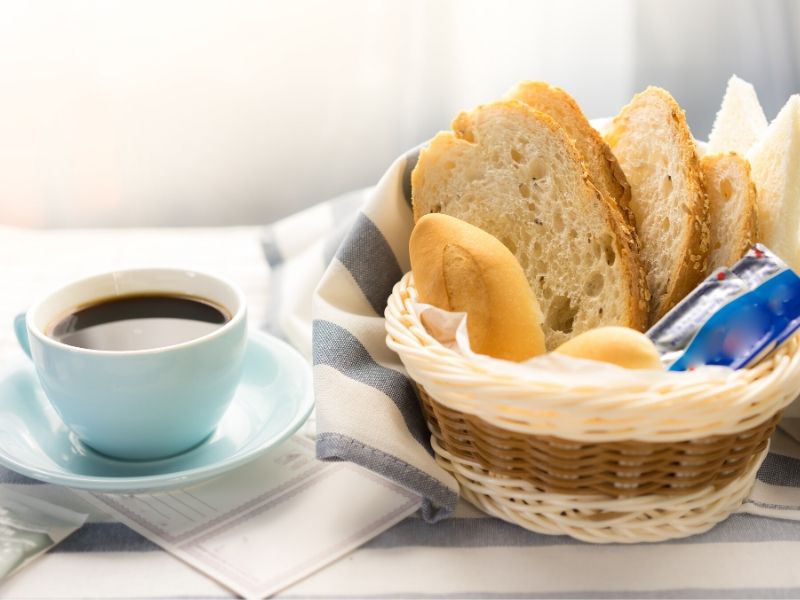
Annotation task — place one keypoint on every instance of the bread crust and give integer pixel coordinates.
(688, 268)
(733, 247)
(628, 248)
(603, 167)
(449, 147)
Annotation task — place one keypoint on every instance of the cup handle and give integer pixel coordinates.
(21, 329)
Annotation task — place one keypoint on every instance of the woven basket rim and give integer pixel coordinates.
(699, 407)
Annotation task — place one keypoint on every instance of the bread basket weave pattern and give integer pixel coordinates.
(628, 464)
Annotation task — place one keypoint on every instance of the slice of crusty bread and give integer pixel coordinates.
(740, 121)
(513, 172)
(604, 170)
(775, 168)
(461, 268)
(732, 209)
(655, 148)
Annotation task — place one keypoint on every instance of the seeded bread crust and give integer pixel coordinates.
(514, 172)
(603, 167)
(652, 141)
(732, 208)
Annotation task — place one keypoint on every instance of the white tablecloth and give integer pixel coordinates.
(470, 555)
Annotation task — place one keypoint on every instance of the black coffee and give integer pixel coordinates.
(139, 322)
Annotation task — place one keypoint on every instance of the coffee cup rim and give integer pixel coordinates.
(237, 316)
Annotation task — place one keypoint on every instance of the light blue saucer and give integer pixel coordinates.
(274, 398)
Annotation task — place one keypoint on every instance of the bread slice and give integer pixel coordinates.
(740, 122)
(775, 168)
(514, 173)
(604, 170)
(732, 209)
(461, 268)
(655, 148)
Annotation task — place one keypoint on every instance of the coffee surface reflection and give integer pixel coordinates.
(139, 322)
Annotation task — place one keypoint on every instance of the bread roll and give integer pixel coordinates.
(617, 345)
(459, 267)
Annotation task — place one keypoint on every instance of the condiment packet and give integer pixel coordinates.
(747, 328)
(734, 317)
(29, 527)
(758, 265)
(673, 333)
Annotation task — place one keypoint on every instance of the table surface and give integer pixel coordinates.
(470, 555)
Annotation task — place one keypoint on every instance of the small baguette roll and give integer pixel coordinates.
(621, 346)
(461, 268)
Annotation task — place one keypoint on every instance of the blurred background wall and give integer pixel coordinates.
(206, 112)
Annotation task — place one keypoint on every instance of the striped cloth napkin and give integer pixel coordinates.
(367, 410)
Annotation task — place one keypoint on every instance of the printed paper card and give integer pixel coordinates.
(270, 523)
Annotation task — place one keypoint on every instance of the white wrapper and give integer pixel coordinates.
(29, 527)
(450, 329)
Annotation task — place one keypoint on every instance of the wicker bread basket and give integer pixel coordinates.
(628, 464)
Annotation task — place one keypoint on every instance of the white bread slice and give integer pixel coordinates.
(740, 122)
(514, 173)
(775, 169)
(604, 170)
(655, 148)
(732, 208)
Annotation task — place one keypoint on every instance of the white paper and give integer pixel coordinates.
(270, 523)
(29, 527)
(450, 329)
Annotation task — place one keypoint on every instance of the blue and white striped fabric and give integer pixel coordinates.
(468, 555)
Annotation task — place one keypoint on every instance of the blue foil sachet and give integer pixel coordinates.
(734, 317)
(748, 327)
(758, 265)
(673, 333)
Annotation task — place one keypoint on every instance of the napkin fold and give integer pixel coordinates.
(367, 408)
